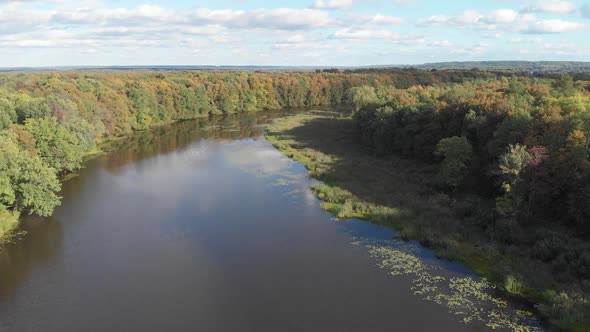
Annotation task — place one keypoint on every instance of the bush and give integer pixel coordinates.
(514, 285)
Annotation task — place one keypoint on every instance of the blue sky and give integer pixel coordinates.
(303, 32)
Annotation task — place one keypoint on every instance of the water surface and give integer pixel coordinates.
(204, 226)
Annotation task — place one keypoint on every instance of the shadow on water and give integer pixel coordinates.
(42, 241)
(161, 140)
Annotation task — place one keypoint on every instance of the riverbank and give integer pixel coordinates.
(8, 223)
(400, 193)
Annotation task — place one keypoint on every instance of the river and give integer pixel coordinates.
(204, 226)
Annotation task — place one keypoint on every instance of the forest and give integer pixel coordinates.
(513, 155)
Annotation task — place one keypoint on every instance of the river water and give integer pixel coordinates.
(204, 226)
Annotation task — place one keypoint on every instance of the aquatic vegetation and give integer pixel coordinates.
(470, 298)
(397, 262)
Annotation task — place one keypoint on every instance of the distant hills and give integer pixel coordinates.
(547, 69)
(528, 67)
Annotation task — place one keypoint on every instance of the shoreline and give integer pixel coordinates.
(337, 198)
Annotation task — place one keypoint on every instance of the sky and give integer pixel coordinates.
(289, 33)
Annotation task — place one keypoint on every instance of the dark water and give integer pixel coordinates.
(203, 226)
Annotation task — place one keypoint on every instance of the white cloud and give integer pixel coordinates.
(275, 18)
(377, 34)
(435, 21)
(278, 18)
(504, 20)
(469, 17)
(466, 18)
(492, 35)
(403, 2)
(332, 4)
(472, 50)
(365, 34)
(299, 46)
(375, 20)
(526, 40)
(441, 43)
(554, 26)
(297, 38)
(502, 16)
(550, 6)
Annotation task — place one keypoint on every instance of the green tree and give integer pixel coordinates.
(510, 168)
(201, 101)
(512, 130)
(67, 113)
(26, 183)
(513, 162)
(143, 104)
(27, 107)
(362, 96)
(565, 85)
(456, 153)
(57, 146)
(7, 194)
(515, 86)
(7, 113)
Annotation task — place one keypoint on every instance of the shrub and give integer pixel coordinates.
(514, 284)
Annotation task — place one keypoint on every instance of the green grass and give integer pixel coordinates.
(401, 194)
